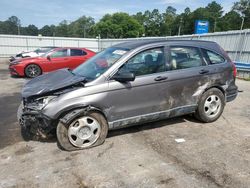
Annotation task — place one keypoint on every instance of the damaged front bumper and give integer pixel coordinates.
(35, 121)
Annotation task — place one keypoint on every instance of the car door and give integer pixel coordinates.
(77, 57)
(144, 97)
(59, 59)
(188, 77)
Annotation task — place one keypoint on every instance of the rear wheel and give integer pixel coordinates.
(211, 105)
(32, 71)
(83, 132)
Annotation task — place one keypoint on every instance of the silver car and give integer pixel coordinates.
(128, 84)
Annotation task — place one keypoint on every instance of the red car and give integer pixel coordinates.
(57, 58)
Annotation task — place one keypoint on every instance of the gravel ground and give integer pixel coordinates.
(213, 155)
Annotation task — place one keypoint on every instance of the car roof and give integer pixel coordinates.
(48, 47)
(140, 43)
(79, 48)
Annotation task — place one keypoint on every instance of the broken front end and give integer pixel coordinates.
(33, 122)
(37, 94)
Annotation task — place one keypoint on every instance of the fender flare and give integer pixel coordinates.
(77, 112)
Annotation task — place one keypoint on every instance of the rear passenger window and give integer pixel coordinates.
(213, 57)
(76, 52)
(184, 57)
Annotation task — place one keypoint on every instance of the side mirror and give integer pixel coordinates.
(48, 57)
(124, 77)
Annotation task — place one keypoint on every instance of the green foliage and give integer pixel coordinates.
(243, 8)
(231, 21)
(148, 23)
(48, 30)
(81, 27)
(30, 30)
(10, 26)
(118, 25)
(62, 30)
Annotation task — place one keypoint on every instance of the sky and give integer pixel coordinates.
(47, 12)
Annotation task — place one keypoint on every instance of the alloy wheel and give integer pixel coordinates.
(212, 106)
(84, 131)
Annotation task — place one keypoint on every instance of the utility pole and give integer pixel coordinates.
(99, 42)
(215, 23)
(179, 31)
(243, 16)
(242, 23)
(18, 29)
(84, 31)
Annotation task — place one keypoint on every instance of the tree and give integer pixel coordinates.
(15, 20)
(118, 25)
(187, 21)
(187, 11)
(47, 30)
(171, 11)
(62, 29)
(30, 30)
(139, 16)
(214, 14)
(169, 24)
(231, 21)
(10, 26)
(148, 23)
(243, 8)
(81, 27)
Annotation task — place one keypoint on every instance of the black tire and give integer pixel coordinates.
(32, 71)
(202, 112)
(63, 138)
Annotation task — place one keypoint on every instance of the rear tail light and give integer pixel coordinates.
(232, 63)
(234, 69)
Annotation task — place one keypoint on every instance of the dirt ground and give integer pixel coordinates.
(213, 155)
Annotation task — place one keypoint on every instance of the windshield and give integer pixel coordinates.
(43, 49)
(47, 53)
(98, 64)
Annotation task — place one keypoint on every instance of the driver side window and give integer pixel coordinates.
(59, 53)
(146, 62)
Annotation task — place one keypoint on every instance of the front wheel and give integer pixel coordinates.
(211, 105)
(83, 132)
(32, 71)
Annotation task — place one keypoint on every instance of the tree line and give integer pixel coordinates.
(148, 23)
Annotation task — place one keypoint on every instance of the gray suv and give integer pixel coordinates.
(128, 84)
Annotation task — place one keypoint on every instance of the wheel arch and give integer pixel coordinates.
(211, 87)
(70, 113)
(217, 87)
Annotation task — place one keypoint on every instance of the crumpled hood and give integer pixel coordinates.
(50, 82)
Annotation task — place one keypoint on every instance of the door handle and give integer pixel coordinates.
(160, 78)
(204, 71)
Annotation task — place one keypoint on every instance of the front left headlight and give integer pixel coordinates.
(15, 62)
(41, 102)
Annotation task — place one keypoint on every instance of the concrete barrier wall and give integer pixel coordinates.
(12, 44)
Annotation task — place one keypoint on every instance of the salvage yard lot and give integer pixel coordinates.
(213, 155)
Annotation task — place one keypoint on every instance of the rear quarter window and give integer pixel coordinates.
(212, 57)
(77, 52)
